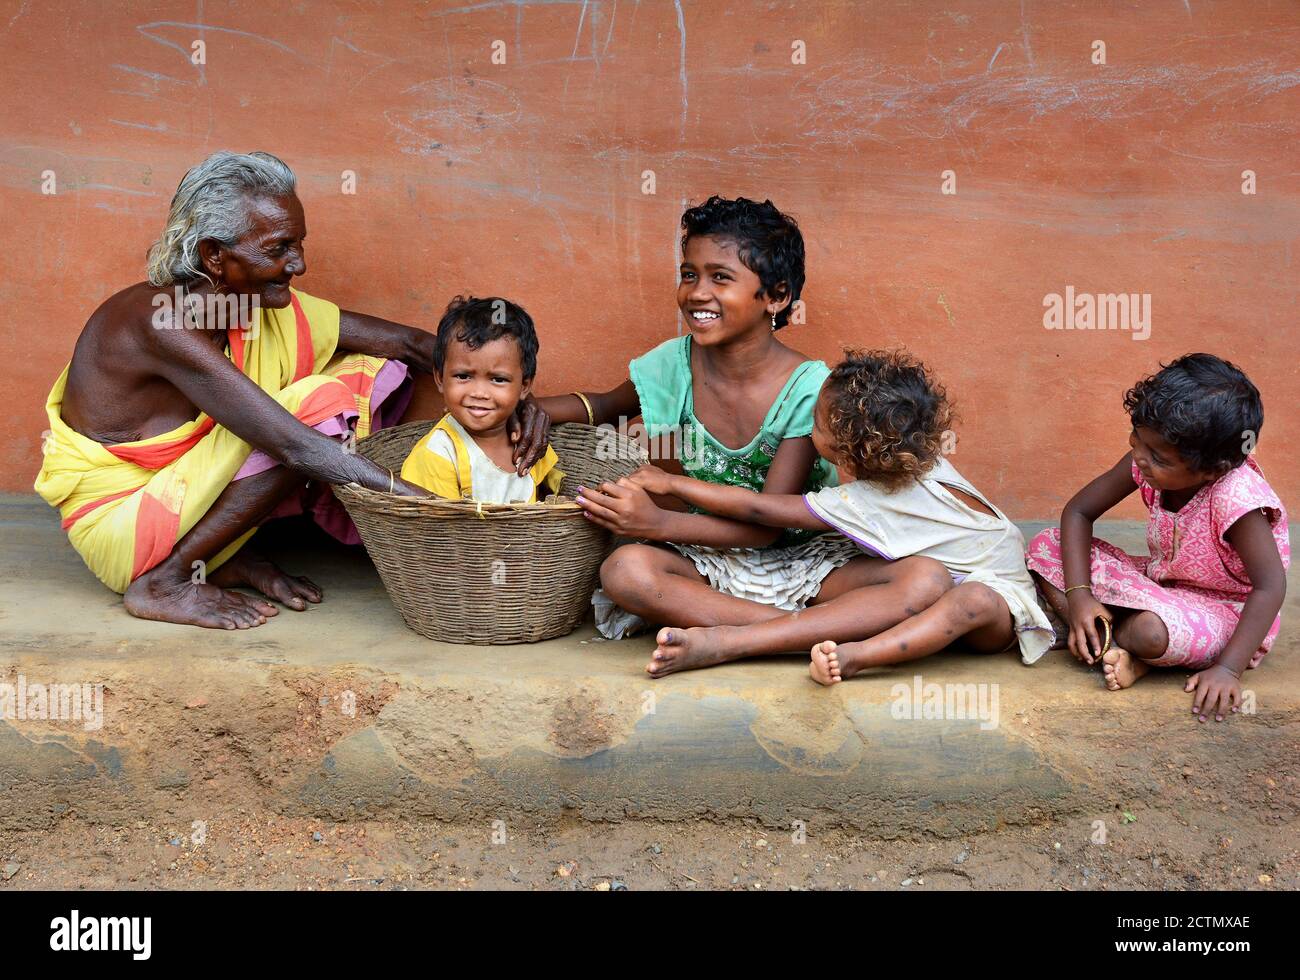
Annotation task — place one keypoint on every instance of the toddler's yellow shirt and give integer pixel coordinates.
(471, 475)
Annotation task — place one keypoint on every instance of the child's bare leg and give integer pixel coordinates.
(970, 612)
(866, 596)
(660, 586)
(1139, 636)
(1055, 597)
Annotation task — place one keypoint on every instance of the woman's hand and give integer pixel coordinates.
(1085, 610)
(404, 489)
(652, 479)
(530, 431)
(625, 509)
(1217, 689)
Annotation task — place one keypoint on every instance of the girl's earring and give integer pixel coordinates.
(773, 321)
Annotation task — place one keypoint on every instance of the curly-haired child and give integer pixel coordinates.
(881, 419)
(1209, 595)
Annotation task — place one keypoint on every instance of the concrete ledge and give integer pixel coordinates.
(342, 712)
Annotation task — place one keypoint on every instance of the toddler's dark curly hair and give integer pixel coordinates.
(886, 415)
(1203, 406)
(768, 242)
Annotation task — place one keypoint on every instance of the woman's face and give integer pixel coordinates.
(265, 260)
(720, 297)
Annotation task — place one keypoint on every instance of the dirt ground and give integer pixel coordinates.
(1197, 848)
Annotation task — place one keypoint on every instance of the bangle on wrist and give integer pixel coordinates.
(1234, 673)
(586, 403)
(1073, 587)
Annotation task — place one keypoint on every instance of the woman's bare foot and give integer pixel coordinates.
(687, 649)
(1121, 668)
(255, 572)
(825, 666)
(167, 596)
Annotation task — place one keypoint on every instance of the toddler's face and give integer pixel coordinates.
(1160, 464)
(483, 386)
(824, 442)
(719, 296)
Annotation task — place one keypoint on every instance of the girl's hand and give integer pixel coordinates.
(624, 508)
(1218, 690)
(1085, 610)
(530, 431)
(652, 479)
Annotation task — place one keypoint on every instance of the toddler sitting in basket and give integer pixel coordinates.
(485, 358)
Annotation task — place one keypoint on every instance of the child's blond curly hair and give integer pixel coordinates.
(886, 416)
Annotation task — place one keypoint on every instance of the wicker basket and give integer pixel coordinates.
(462, 572)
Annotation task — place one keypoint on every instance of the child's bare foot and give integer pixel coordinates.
(687, 649)
(1121, 668)
(825, 666)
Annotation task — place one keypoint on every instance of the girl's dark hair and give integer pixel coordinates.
(1203, 406)
(767, 241)
(886, 415)
(476, 322)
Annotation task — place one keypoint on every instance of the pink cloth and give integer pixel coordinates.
(1193, 579)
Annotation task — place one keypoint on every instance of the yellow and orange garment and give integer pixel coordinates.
(125, 506)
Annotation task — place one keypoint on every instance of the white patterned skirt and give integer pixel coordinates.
(783, 577)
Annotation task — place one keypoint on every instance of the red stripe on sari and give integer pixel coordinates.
(85, 509)
(306, 353)
(155, 534)
(325, 402)
(156, 456)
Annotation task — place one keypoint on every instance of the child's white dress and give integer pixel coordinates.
(923, 518)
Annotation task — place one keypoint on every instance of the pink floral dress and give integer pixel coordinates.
(1193, 580)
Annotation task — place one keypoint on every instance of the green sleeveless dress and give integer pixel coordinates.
(790, 571)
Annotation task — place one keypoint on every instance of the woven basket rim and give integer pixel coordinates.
(432, 503)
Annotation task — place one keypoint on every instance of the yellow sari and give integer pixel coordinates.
(126, 505)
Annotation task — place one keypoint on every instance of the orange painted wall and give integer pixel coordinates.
(525, 179)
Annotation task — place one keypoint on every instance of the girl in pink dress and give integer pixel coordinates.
(1209, 595)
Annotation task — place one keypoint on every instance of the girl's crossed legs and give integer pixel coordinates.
(860, 599)
(1139, 636)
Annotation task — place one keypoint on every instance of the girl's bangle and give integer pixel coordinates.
(1073, 587)
(390, 481)
(591, 415)
(1234, 673)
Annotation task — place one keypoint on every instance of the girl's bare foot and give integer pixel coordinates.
(1121, 668)
(686, 649)
(825, 666)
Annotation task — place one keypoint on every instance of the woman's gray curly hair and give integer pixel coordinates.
(210, 202)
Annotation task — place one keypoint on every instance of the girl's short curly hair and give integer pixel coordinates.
(886, 416)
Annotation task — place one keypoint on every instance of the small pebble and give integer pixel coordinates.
(9, 870)
(175, 842)
(617, 886)
(961, 858)
(906, 882)
(317, 837)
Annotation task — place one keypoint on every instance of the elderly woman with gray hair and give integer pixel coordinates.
(200, 403)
